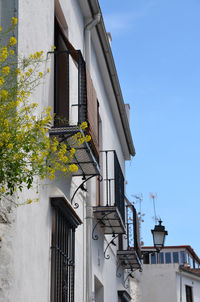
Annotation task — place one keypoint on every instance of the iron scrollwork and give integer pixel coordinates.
(111, 242)
(81, 186)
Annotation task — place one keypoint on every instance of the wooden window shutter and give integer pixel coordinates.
(61, 103)
(92, 114)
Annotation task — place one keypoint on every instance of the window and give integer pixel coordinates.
(61, 80)
(64, 223)
(145, 259)
(161, 258)
(168, 258)
(153, 258)
(175, 257)
(183, 257)
(189, 295)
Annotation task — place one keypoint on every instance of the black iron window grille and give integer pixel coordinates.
(63, 251)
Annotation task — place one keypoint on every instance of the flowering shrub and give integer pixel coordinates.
(26, 150)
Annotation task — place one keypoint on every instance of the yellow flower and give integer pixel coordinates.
(1, 81)
(0, 28)
(73, 168)
(54, 148)
(81, 141)
(72, 150)
(48, 70)
(3, 189)
(87, 138)
(18, 71)
(10, 146)
(4, 53)
(27, 74)
(12, 52)
(5, 70)
(40, 74)
(13, 41)
(4, 94)
(14, 20)
(84, 125)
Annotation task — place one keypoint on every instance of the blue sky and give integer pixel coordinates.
(156, 47)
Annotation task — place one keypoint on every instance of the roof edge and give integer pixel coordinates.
(101, 31)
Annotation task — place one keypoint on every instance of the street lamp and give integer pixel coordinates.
(159, 234)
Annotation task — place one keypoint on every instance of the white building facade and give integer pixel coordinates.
(72, 245)
(173, 275)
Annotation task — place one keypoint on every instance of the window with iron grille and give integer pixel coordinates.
(64, 223)
(189, 295)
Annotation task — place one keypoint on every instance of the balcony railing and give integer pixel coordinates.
(76, 102)
(129, 252)
(110, 209)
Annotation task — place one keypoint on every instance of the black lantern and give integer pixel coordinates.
(159, 234)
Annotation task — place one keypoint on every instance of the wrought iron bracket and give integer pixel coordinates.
(130, 274)
(76, 205)
(111, 242)
(118, 274)
(95, 236)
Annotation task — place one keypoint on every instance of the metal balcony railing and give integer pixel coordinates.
(129, 252)
(75, 102)
(110, 209)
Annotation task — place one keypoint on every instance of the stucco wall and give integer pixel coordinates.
(25, 252)
(183, 279)
(156, 283)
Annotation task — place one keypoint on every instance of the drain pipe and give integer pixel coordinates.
(88, 29)
(91, 183)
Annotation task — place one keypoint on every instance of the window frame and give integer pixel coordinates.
(170, 257)
(64, 223)
(189, 293)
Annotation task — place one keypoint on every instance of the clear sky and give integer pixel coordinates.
(156, 47)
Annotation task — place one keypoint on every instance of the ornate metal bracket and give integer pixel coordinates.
(95, 236)
(111, 242)
(130, 274)
(118, 274)
(81, 186)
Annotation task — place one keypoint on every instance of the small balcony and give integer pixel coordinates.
(129, 253)
(75, 102)
(110, 211)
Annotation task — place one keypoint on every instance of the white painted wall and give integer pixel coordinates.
(183, 279)
(25, 253)
(163, 282)
(157, 282)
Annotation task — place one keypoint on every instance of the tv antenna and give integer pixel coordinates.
(153, 197)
